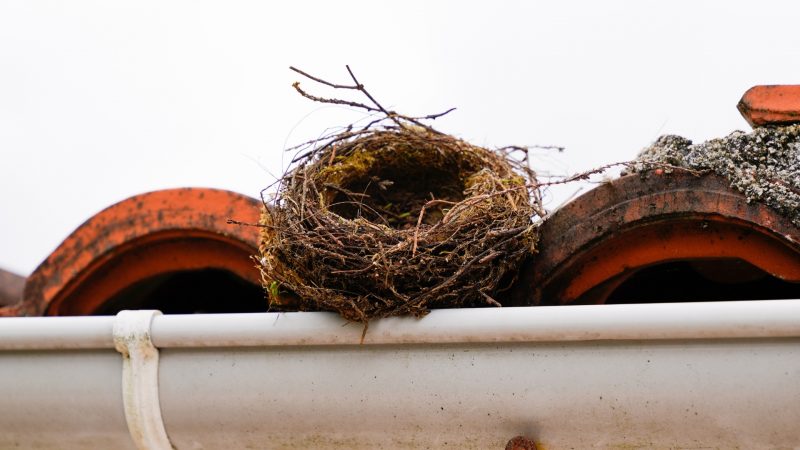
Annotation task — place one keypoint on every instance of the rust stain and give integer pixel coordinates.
(521, 443)
(142, 236)
(771, 105)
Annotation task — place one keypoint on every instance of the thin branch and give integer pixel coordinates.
(526, 148)
(333, 140)
(397, 119)
(490, 300)
(320, 80)
(585, 175)
(333, 101)
(419, 221)
(361, 88)
(230, 221)
(548, 147)
(435, 116)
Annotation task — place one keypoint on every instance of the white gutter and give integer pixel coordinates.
(723, 374)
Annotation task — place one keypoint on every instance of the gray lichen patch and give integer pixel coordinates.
(764, 165)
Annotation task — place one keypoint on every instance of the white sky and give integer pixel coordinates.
(103, 100)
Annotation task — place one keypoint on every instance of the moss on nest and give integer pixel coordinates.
(764, 165)
(397, 220)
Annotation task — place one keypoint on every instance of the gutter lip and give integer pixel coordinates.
(553, 324)
(56, 333)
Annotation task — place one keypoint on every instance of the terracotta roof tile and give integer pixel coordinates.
(11, 286)
(591, 246)
(143, 237)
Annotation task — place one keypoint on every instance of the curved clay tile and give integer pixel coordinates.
(590, 246)
(771, 105)
(11, 286)
(145, 236)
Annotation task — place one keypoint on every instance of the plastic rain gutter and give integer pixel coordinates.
(681, 375)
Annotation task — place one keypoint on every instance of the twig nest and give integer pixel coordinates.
(396, 221)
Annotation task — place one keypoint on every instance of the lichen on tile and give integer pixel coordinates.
(764, 164)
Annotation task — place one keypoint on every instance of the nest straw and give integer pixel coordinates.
(395, 218)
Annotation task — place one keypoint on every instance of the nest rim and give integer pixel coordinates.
(306, 204)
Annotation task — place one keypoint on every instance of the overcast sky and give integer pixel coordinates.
(103, 100)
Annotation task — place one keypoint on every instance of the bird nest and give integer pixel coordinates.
(395, 219)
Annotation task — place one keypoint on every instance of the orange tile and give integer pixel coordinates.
(771, 105)
(143, 236)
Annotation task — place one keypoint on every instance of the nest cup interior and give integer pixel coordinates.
(389, 185)
(395, 194)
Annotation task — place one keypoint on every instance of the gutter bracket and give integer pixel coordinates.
(140, 379)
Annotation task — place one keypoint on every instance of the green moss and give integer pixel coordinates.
(393, 175)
